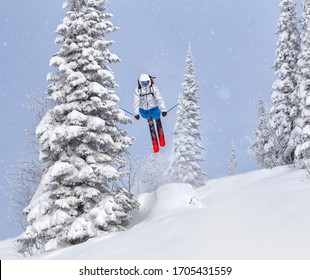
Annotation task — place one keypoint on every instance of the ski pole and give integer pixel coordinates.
(172, 107)
(127, 111)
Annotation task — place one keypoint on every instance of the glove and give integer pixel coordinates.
(137, 117)
(164, 114)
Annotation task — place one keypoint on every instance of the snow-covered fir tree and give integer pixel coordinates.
(232, 166)
(82, 147)
(187, 154)
(288, 47)
(300, 137)
(259, 144)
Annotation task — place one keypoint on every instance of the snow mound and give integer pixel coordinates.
(167, 199)
(172, 197)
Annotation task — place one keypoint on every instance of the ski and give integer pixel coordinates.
(153, 135)
(160, 132)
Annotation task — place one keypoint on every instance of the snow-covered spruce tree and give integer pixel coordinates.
(81, 145)
(232, 166)
(187, 154)
(301, 134)
(288, 47)
(259, 144)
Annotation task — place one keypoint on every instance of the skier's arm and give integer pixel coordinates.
(159, 99)
(136, 102)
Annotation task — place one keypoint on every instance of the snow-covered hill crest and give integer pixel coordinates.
(258, 215)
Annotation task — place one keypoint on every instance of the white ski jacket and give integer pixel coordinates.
(144, 99)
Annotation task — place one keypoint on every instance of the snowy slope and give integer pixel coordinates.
(259, 215)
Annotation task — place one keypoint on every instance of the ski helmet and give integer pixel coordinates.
(144, 78)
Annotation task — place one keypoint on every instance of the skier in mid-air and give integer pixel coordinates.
(149, 103)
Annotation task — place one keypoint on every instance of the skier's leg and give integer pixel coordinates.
(144, 113)
(153, 135)
(160, 132)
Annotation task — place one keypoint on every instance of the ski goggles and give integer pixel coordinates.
(145, 83)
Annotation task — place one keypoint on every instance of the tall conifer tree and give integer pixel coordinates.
(82, 146)
(288, 48)
(187, 154)
(263, 136)
(301, 133)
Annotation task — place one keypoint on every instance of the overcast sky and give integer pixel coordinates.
(233, 45)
